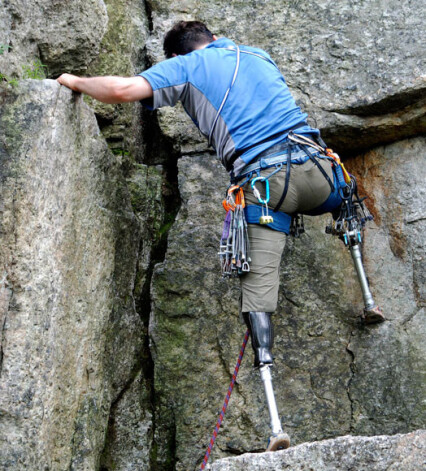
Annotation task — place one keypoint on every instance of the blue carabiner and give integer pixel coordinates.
(256, 191)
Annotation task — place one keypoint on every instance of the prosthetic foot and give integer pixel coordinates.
(278, 442)
(372, 313)
(373, 316)
(262, 337)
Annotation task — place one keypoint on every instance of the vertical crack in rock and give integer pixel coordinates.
(6, 287)
(2, 340)
(158, 149)
(154, 152)
(171, 201)
(157, 152)
(148, 11)
(352, 367)
(6, 294)
(153, 238)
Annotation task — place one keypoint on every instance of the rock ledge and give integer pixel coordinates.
(379, 453)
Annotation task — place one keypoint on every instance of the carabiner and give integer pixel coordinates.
(231, 201)
(256, 191)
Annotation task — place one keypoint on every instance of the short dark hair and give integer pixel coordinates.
(184, 37)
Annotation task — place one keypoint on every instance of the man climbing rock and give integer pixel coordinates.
(240, 101)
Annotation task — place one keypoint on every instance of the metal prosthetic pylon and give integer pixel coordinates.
(262, 340)
(372, 312)
(348, 222)
(278, 440)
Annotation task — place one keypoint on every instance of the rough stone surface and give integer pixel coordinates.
(64, 35)
(380, 453)
(83, 385)
(71, 338)
(394, 254)
(128, 446)
(122, 52)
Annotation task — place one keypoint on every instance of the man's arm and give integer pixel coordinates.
(109, 89)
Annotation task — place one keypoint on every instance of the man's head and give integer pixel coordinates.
(185, 37)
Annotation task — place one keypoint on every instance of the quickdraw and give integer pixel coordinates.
(329, 152)
(234, 243)
(231, 201)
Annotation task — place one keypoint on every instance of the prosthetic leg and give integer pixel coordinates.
(262, 337)
(348, 222)
(372, 312)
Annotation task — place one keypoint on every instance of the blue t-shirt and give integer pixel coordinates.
(259, 110)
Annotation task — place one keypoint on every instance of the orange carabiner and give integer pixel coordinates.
(231, 200)
(336, 158)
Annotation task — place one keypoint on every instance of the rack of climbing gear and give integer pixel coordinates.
(350, 218)
(225, 404)
(234, 243)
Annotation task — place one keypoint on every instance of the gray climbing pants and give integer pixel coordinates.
(308, 189)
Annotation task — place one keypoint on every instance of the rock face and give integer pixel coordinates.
(64, 36)
(71, 337)
(380, 453)
(118, 336)
(122, 52)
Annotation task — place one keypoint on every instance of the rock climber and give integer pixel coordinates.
(240, 101)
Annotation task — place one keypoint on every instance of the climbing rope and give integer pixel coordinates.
(225, 404)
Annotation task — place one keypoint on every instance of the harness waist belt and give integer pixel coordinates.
(298, 157)
(239, 153)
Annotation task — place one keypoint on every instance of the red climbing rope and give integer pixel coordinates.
(225, 404)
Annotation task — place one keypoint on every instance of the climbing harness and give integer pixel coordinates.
(225, 404)
(234, 243)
